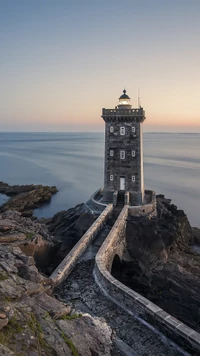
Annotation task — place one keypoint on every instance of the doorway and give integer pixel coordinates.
(122, 183)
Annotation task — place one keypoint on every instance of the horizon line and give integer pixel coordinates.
(63, 132)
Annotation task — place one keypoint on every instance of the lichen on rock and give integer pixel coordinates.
(32, 322)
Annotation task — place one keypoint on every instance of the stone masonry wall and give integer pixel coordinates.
(69, 262)
(146, 208)
(115, 241)
(131, 301)
(122, 167)
(130, 167)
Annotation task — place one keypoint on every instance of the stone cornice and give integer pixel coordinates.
(123, 114)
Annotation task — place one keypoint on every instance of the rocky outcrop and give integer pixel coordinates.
(165, 268)
(33, 323)
(47, 240)
(63, 230)
(25, 198)
(196, 235)
(67, 227)
(73, 222)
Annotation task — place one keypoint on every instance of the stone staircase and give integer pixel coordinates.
(120, 199)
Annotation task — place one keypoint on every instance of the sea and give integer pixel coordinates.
(74, 163)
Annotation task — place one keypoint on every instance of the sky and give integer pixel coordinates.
(62, 61)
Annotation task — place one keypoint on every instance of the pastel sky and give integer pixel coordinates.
(61, 61)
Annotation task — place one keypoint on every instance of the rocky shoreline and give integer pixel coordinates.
(32, 322)
(165, 268)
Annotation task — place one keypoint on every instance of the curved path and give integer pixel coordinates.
(134, 336)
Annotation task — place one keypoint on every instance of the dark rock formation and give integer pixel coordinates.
(165, 268)
(196, 235)
(33, 323)
(25, 198)
(63, 230)
(67, 227)
(73, 222)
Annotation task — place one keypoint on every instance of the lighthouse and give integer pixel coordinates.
(123, 164)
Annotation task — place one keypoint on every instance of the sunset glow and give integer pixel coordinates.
(62, 61)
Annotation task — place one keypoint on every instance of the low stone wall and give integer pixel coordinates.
(69, 262)
(131, 301)
(145, 209)
(94, 204)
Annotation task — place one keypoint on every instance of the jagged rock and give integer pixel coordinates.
(98, 343)
(63, 230)
(25, 198)
(33, 323)
(68, 227)
(52, 305)
(3, 321)
(196, 235)
(13, 222)
(6, 225)
(74, 221)
(165, 268)
(12, 237)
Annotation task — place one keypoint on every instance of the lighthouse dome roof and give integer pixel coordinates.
(124, 95)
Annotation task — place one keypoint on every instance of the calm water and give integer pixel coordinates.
(74, 163)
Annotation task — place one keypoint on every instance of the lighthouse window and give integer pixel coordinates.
(111, 153)
(122, 154)
(122, 130)
(133, 153)
(133, 128)
(133, 178)
(111, 129)
(111, 177)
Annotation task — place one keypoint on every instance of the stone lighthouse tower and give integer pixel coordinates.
(123, 171)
